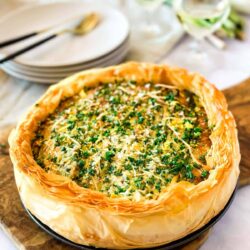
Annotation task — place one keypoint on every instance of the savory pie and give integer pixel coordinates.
(130, 156)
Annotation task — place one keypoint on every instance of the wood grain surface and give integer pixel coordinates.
(27, 235)
(238, 98)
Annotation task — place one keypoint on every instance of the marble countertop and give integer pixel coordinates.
(230, 66)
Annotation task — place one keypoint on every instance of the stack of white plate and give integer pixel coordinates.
(106, 45)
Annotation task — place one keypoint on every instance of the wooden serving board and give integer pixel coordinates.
(28, 236)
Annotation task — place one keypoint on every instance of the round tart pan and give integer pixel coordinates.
(171, 245)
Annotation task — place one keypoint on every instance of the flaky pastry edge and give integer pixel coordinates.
(89, 217)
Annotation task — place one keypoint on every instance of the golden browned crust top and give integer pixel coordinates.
(184, 206)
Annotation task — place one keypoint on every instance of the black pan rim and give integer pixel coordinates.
(168, 246)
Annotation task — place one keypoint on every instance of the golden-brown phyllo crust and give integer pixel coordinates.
(90, 217)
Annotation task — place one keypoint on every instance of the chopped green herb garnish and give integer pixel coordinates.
(126, 139)
(109, 155)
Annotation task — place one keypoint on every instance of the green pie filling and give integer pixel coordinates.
(126, 139)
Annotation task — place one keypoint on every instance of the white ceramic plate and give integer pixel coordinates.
(50, 80)
(30, 78)
(55, 70)
(112, 58)
(66, 49)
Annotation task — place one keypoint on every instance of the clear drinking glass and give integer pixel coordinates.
(200, 18)
(150, 28)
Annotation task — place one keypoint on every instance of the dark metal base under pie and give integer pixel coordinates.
(172, 245)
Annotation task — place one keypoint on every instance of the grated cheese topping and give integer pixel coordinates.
(126, 139)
